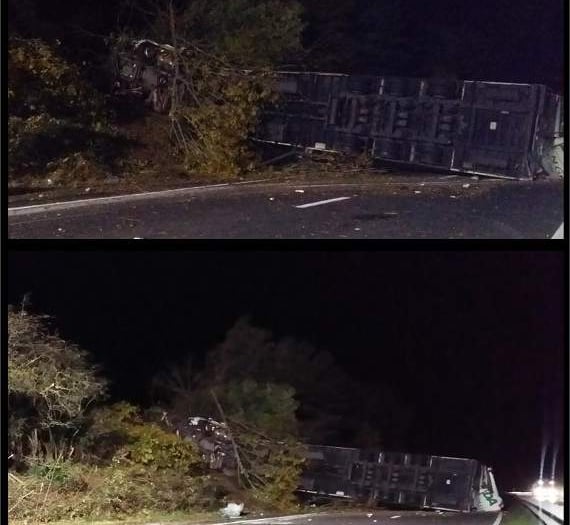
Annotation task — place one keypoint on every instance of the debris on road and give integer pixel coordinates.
(369, 515)
(232, 510)
(299, 191)
(417, 191)
(466, 185)
(271, 198)
(396, 516)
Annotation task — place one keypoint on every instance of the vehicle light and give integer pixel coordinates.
(546, 492)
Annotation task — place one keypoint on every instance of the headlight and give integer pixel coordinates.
(550, 492)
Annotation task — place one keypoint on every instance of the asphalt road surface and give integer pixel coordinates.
(422, 207)
(383, 517)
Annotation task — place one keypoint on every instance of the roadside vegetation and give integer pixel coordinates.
(76, 453)
(67, 131)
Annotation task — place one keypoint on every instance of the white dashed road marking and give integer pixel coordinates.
(318, 203)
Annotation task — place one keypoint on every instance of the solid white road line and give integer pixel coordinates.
(318, 203)
(63, 205)
(559, 233)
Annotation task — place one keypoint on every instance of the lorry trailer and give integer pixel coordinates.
(370, 476)
(397, 478)
(496, 129)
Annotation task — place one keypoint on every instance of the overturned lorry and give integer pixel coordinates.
(495, 129)
(399, 478)
(371, 476)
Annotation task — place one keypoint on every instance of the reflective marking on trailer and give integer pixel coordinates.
(318, 203)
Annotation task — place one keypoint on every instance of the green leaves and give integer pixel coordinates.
(119, 431)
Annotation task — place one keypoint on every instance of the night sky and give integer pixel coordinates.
(471, 342)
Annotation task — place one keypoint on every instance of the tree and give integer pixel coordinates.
(220, 55)
(51, 382)
(357, 36)
(329, 405)
(246, 33)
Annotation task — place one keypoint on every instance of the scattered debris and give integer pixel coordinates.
(475, 177)
(356, 229)
(369, 515)
(453, 196)
(232, 510)
(396, 516)
(300, 191)
(87, 190)
(465, 185)
(417, 191)
(271, 198)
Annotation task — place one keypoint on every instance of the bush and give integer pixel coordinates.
(50, 383)
(99, 493)
(54, 113)
(118, 435)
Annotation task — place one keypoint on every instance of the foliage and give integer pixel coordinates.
(41, 81)
(324, 412)
(50, 381)
(358, 36)
(246, 33)
(271, 468)
(76, 491)
(215, 100)
(269, 407)
(119, 435)
(251, 352)
(217, 125)
(54, 113)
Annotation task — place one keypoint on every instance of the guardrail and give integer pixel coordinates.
(548, 513)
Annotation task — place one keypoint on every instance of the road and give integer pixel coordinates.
(407, 207)
(382, 517)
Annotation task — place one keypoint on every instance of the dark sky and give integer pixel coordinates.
(472, 342)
